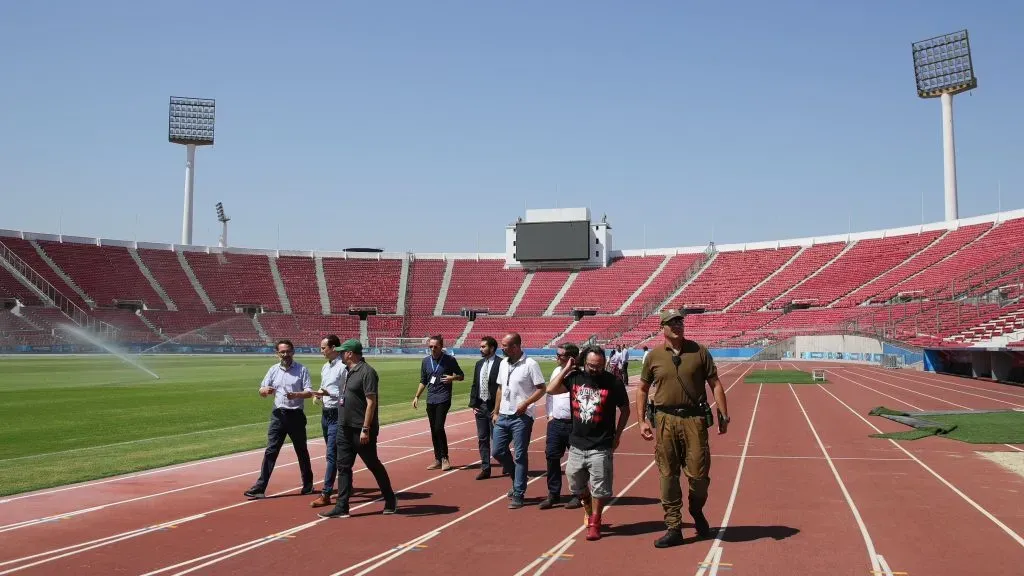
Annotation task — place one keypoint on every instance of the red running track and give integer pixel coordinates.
(797, 483)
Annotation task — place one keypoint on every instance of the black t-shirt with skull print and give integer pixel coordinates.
(593, 400)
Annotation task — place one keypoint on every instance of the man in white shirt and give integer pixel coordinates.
(520, 386)
(332, 375)
(559, 414)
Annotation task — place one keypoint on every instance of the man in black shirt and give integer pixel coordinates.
(358, 426)
(437, 373)
(594, 396)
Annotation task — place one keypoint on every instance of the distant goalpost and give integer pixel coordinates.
(385, 345)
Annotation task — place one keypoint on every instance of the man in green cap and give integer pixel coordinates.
(358, 426)
(680, 371)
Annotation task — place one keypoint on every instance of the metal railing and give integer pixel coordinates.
(73, 311)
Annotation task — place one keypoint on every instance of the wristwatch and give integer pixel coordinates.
(366, 430)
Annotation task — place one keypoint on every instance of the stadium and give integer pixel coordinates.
(873, 380)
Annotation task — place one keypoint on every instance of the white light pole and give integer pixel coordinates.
(942, 69)
(190, 121)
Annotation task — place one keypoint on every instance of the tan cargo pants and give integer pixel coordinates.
(681, 443)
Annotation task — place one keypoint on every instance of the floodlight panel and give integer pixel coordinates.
(943, 65)
(191, 121)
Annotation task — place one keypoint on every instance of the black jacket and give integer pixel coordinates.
(492, 383)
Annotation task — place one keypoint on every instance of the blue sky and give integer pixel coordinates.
(429, 125)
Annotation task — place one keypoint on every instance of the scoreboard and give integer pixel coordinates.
(545, 241)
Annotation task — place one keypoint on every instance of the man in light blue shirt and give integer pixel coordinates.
(332, 378)
(289, 382)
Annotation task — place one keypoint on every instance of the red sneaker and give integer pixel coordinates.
(594, 526)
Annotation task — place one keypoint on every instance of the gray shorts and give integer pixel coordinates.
(590, 467)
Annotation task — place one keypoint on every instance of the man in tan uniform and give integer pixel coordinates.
(679, 370)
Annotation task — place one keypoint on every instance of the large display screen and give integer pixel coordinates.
(538, 241)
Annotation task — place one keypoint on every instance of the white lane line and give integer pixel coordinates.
(904, 402)
(139, 532)
(243, 548)
(560, 548)
(915, 392)
(954, 390)
(226, 553)
(389, 555)
(872, 554)
(65, 515)
(47, 492)
(142, 531)
(552, 555)
(920, 376)
(717, 544)
(938, 477)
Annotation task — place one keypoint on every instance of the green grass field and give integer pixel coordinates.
(780, 377)
(69, 419)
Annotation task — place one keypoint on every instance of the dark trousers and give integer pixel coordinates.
(556, 443)
(484, 428)
(329, 425)
(436, 415)
(290, 423)
(348, 448)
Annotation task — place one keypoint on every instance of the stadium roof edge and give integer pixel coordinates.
(735, 247)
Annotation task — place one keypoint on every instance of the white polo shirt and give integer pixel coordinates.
(558, 405)
(518, 382)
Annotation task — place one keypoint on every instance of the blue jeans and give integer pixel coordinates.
(329, 425)
(557, 442)
(514, 429)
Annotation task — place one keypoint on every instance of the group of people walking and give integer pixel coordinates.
(587, 410)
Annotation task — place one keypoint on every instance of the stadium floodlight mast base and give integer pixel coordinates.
(943, 68)
(190, 121)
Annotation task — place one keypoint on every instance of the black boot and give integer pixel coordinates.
(700, 523)
(672, 537)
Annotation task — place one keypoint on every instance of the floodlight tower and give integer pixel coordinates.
(943, 68)
(190, 122)
(224, 225)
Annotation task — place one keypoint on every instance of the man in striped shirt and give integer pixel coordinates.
(289, 382)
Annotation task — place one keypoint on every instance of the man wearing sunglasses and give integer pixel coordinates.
(680, 371)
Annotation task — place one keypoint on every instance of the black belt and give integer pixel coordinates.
(330, 411)
(681, 411)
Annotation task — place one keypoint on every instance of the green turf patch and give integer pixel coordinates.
(780, 377)
(978, 427)
(66, 419)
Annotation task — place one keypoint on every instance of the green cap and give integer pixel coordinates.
(351, 345)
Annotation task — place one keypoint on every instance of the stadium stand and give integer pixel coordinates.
(482, 285)
(231, 279)
(937, 285)
(299, 277)
(730, 275)
(807, 261)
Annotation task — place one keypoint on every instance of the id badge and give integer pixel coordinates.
(433, 379)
